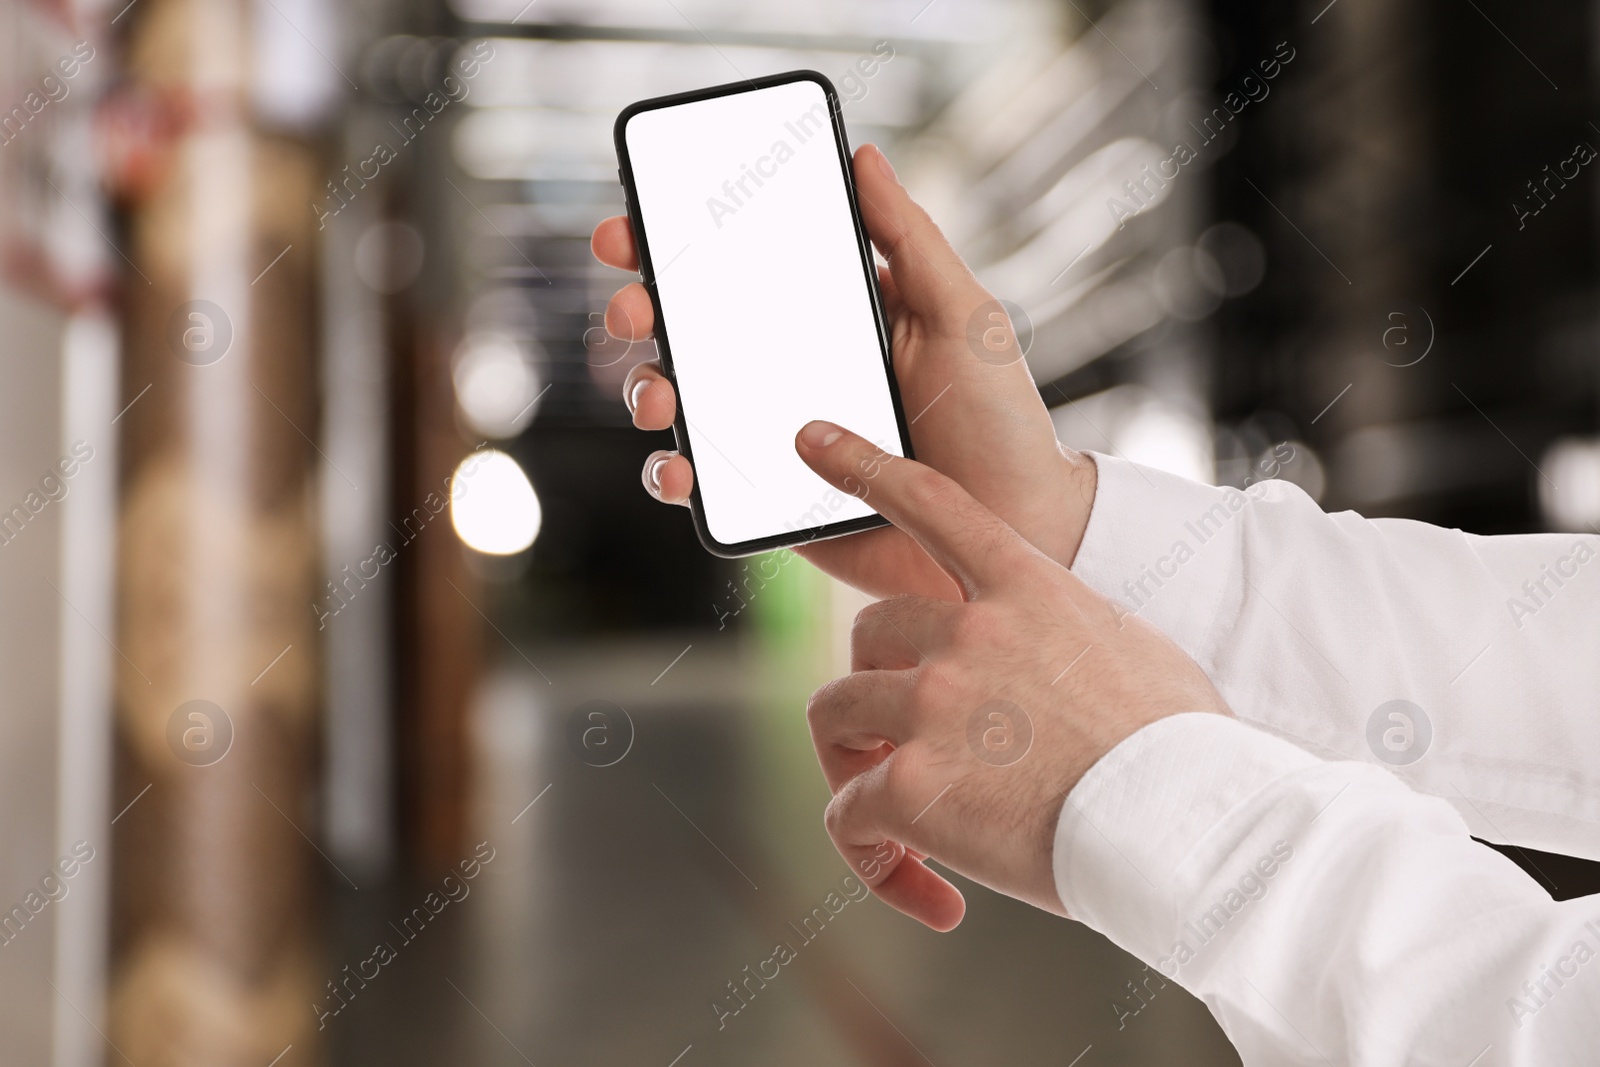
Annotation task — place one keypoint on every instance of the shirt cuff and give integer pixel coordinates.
(1164, 548)
(1132, 822)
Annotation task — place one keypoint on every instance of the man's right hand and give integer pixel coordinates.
(975, 412)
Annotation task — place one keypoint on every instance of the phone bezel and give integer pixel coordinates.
(663, 344)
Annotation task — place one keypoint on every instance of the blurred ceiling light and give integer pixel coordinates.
(1075, 219)
(603, 77)
(496, 385)
(492, 506)
(1076, 332)
(1073, 119)
(519, 144)
(1160, 435)
(1573, 464)
(1071, 293)
(389, 256)
(1004, 108)
(1103, 175)
(966, 20)
(1136, 423)
(293, 82)
(1041, 107)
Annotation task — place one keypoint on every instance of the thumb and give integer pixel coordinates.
(930, 277)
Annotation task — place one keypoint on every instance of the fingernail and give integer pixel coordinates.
(638, 390)
(819, 434)
(652, 475)
(887, 167)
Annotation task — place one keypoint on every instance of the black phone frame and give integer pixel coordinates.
(663, 345)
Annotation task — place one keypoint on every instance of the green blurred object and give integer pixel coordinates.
(790, 633)
(789, 599)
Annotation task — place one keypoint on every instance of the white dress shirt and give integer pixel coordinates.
(1307, 869)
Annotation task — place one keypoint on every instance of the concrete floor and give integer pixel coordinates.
(620, 905)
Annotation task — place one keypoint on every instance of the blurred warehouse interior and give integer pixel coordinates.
(285, 282)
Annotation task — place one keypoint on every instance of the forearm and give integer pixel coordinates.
(1324, 912)
(1312, 625)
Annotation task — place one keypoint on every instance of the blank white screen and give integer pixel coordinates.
(763, 298)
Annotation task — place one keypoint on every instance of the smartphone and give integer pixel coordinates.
(767, 308)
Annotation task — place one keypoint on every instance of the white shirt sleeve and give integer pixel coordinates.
(1323, 911)
(1469, 665)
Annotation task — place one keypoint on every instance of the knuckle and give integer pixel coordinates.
(836, 817)
(928, 488)
(931, 491)
(866, 620)
(925, 690)
(825, 710)
(818, 706)
(875, 616)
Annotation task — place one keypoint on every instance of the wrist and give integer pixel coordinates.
(1074, 501)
